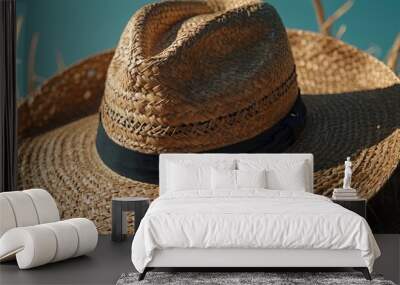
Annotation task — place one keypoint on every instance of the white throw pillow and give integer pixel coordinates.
(181, 177)
(188, 175)
(223, 179)
(251, 178)
(230, 180)
(281, 175)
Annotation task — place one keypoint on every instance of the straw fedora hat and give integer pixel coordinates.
(206, 76)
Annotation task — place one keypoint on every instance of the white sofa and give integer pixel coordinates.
(31, 230)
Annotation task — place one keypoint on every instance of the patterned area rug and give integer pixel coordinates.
(243, 278)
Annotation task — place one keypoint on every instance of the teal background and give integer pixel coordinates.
(76, 29)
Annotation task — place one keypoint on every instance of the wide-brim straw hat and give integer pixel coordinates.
(352, 102)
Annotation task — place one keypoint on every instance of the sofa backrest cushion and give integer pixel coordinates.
(26, 208)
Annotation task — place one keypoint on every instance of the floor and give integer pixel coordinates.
(111, 259)
(103, 266)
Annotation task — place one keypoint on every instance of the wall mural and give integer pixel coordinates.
(93, 119)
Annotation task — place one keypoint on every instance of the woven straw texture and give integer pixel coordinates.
(353, 103)
(189, 77)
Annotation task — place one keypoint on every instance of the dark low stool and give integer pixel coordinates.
(120, 206)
